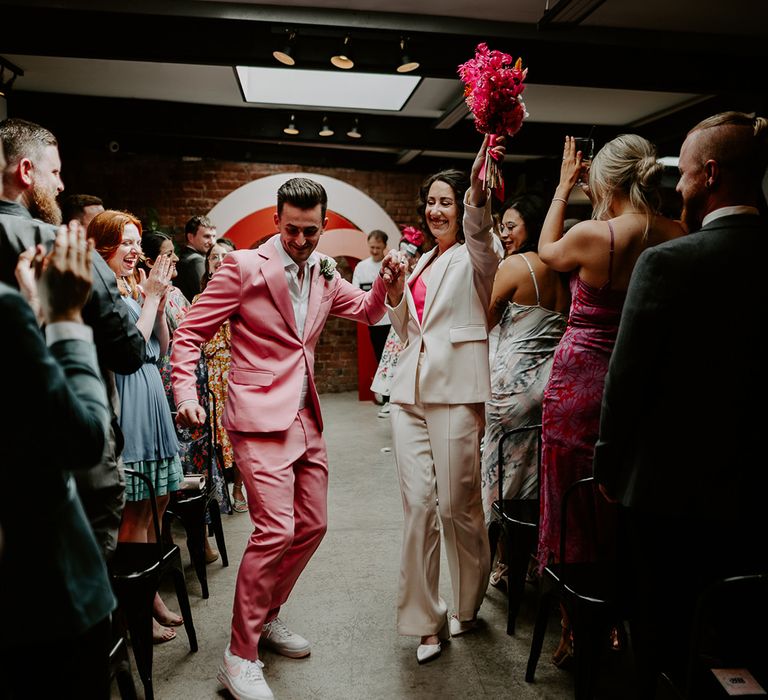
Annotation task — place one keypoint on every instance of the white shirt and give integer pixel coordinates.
(299, 293)
(729, 211)
(365, 274)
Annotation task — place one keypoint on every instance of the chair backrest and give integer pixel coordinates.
(587, 482)
(729, 630)
(502, 442)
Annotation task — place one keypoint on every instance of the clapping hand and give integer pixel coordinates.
(66, 278)
(571, 168)
(158, 282)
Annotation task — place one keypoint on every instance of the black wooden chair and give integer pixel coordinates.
(136, 570)
(728, 632)
(119, 660)
(517, 521)
(590, 593)
(189, 507)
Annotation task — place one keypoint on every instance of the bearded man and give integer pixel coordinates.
(29, 215)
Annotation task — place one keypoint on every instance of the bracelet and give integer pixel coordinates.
(559, 199)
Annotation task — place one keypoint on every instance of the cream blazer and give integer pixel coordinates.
(453, 333)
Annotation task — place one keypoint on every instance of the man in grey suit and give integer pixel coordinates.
(29, 214)
(681, 426)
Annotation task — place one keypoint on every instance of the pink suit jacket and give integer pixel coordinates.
(268, 358)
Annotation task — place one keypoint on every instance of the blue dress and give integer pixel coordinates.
(151, 446)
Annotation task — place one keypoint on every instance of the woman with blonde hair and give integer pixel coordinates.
(600, 255)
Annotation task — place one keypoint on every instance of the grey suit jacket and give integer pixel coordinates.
(58, 422)
(682, 416)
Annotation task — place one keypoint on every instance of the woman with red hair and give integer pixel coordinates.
(151, 446)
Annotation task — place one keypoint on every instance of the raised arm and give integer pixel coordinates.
(562, 253)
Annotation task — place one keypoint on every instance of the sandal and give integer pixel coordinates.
(564, 653)
(239, 506)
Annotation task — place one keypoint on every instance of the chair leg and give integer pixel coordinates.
(493, 536)
(137, 608)
(546, 600)
(196, 546)
(184, 607)
(218, 530)
(518, 554)
(125, 684)
(591, 631)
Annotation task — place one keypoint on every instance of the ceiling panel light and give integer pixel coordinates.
(343, 59)
(325, 89)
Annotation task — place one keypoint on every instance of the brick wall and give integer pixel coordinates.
(173, 189)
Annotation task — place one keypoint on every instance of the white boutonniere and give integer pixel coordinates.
(327, 268)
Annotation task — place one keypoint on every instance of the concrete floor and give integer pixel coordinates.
(344, 603)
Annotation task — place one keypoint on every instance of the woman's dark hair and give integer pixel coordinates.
(458, 181)
(532, 211)
(151, 243)
(207, 274)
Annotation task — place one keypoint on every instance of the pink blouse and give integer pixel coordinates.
(419, 294)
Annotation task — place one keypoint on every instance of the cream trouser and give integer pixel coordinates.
(437, 450)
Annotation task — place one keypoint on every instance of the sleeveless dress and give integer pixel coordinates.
(528, 337)
(571, 419)
(151, 446)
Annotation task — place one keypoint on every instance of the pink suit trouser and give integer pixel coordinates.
(285, 475)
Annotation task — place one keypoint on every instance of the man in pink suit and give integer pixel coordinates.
(277, 298)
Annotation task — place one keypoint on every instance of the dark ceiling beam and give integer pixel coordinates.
(220, 33)
(101, 119)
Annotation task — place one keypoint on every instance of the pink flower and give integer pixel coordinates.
(493, 89)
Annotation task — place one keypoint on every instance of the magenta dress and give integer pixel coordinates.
(571, 418)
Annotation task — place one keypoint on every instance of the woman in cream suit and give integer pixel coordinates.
(437, 399)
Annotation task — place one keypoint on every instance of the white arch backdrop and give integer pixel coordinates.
(343, 198)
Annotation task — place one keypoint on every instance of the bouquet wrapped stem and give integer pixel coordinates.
(493, 87)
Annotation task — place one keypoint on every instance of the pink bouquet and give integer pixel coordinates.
(493, 88)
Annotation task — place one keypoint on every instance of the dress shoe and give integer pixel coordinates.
(458, 627)
(279, 638)
(427, 652)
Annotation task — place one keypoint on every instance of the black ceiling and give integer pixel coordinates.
(727, 69)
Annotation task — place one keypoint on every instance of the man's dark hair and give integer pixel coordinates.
(378, 235)
(458, 181)
(22, 139)
(73, 205)
(190, 228)
(303, 193)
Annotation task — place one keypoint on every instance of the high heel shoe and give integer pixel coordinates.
(427, 652)
(564, 653)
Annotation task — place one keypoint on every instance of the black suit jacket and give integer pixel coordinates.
(682, 416)
(190, 270)
(56, 421)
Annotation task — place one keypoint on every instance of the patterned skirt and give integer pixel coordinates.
(165, 474)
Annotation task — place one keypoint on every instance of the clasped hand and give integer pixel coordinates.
(393, 271)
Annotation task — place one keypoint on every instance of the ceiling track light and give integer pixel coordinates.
(406, 63)
(285, 56)
(343, 59)
(291, 129)
(325, 130)
(354, 132)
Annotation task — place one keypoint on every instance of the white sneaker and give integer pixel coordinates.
(243, 678)
(279, 638)
(384, 411)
